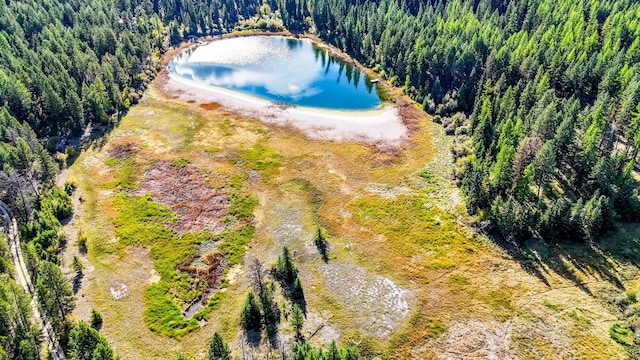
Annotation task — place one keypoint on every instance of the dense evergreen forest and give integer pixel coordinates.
(542, 97)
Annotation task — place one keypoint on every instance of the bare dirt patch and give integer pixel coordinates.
(377, 303)
(476, 339)
(185, 191)
(118, 290)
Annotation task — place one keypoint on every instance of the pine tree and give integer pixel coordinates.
(77, 265)
(544, 164)
(333, 353)
(54, 292)
(351, 353)
(83, 341)
(96, 319)
(250, 316)
(218, 350)
(285, 269)
(296, 292)
(297, 320)
(102, 352)
(269, 308)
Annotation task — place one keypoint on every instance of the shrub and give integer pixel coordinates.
(96, 319)
(621, 333)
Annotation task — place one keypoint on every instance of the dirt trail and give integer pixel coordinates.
(23, 278)
(72, 227)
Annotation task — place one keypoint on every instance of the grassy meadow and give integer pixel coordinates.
(405, 275)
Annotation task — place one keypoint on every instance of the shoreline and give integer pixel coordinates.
(383, 125)
(388, 125)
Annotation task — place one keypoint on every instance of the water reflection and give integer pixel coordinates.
(278, 69)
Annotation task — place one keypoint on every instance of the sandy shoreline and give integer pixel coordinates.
(379, 125)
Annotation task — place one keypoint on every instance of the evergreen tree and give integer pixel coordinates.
(271, 313)
(250, 317)
(285, 269)
(218, 349)
(296, 292)
(96, 319)
(84, 341)
(77, 266)
(54, 292)
(297, 320)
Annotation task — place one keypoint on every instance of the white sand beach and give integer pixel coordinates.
(382, 125)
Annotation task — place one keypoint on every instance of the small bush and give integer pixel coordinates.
(82, 242)
(242, 207)
(182, 162)
(70, 186)
(621, 333)
(261, 159)
(96, 319)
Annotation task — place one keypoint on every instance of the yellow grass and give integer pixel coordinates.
(379, 214)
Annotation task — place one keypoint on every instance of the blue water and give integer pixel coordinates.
(279, 69)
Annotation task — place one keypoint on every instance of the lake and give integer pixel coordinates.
(279, 69)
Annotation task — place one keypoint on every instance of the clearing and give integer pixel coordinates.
(184, 183)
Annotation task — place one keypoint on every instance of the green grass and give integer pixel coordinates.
(238, 181)
(214, 304)
(241, 206)
(459, 281)
(552, 306)
(127, 176)
(412, 223)
(162, 316)
(141, 220)
(234, 243)
(261, 159)
(621, 333)
(182, 162)
(425, 174)
(580, 321)
(385, 95)
(420, 329)
(112, 161)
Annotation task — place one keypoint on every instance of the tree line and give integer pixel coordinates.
(542, 97)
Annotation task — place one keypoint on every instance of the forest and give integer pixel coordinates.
(542, 97)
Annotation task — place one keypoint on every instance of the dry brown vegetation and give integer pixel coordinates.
(184, 190)
(405, 276)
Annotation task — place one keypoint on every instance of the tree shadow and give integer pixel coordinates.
(253, 337)
(323, 248)
(272, 335)
(77, 282)
(320, 240)
(302, 303)
(82, 248)
(611, 258)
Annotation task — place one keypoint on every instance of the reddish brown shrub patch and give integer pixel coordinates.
(123, 150)
(210, 106)
(212, 273)
(185, 191)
